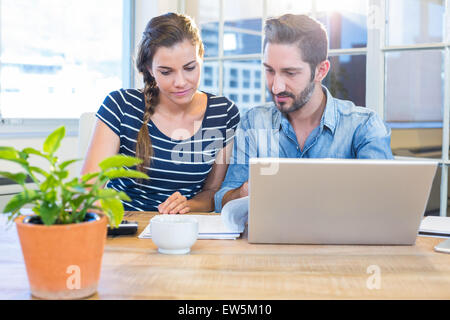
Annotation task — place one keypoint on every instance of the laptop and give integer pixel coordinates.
(337, 201)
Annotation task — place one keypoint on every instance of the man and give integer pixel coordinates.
(305, 120)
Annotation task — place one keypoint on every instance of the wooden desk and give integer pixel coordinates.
(235, 269)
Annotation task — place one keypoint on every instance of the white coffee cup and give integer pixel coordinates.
(174, 234)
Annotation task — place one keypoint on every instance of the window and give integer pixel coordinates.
(346, 24)
(257, 82)
(235, 84)
(415, 22)
(415, 37)
(207, 16)
(232, 33)
(242, 27)
(416, 73)
(208, 71)
(407, 98)
(233, 97)
(347, 78)
(246, 79)
(208, 76)
(392, 56)
(59, 58)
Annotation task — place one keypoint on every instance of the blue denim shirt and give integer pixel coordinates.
(345, 131)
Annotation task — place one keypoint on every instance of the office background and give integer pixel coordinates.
(59, 59)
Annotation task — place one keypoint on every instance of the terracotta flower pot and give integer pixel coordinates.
(63, 261)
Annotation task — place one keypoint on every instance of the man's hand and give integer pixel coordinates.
(237, 193)
(176, 203)
(243, 190)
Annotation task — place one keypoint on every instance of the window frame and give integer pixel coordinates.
(376, 76)
(376, 65)
(221, 57)
(30, 127)
(374, 51)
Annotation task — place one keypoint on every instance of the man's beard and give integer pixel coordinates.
(299, 102)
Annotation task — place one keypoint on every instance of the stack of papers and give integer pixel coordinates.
(235, 213)
(209, 227)
(435, 227)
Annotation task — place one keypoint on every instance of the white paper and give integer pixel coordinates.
(209, 227)
(235, 214)
(432, 224)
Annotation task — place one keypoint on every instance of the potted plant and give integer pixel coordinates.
(63, 242)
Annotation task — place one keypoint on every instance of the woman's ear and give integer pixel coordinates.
(149, 69)
(322, 70)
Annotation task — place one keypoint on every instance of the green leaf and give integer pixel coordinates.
(11, 217)
(114, 210)
(76, 203)
(39, 170)
(19, 178)
(76, 189)
(51, 196)
(23, 155)
(73, 183)
(65, 195)
(21, 199)
(78, 216)
(123, 173)
(8, 153)
(62, 174)
(123, 196)
(89, 176)
(53, 141)
(49, 183)
(11, 154)
(49, 212)
(110, 193)
(63, 165)
(107, 193)
(35, 152)
(119, 161)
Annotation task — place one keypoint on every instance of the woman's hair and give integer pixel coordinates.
(162, 31)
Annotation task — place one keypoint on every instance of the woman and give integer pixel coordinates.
(182, 135)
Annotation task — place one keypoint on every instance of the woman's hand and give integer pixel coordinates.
(176, 203)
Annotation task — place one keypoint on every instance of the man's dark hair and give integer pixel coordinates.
(307, 33)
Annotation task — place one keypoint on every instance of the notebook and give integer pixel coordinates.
(209, 227)
(435, 227)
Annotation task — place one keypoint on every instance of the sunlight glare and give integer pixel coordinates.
(352, 6)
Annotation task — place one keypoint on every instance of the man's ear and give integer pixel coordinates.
(322, 70)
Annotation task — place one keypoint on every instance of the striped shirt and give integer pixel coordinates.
(176, 165)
